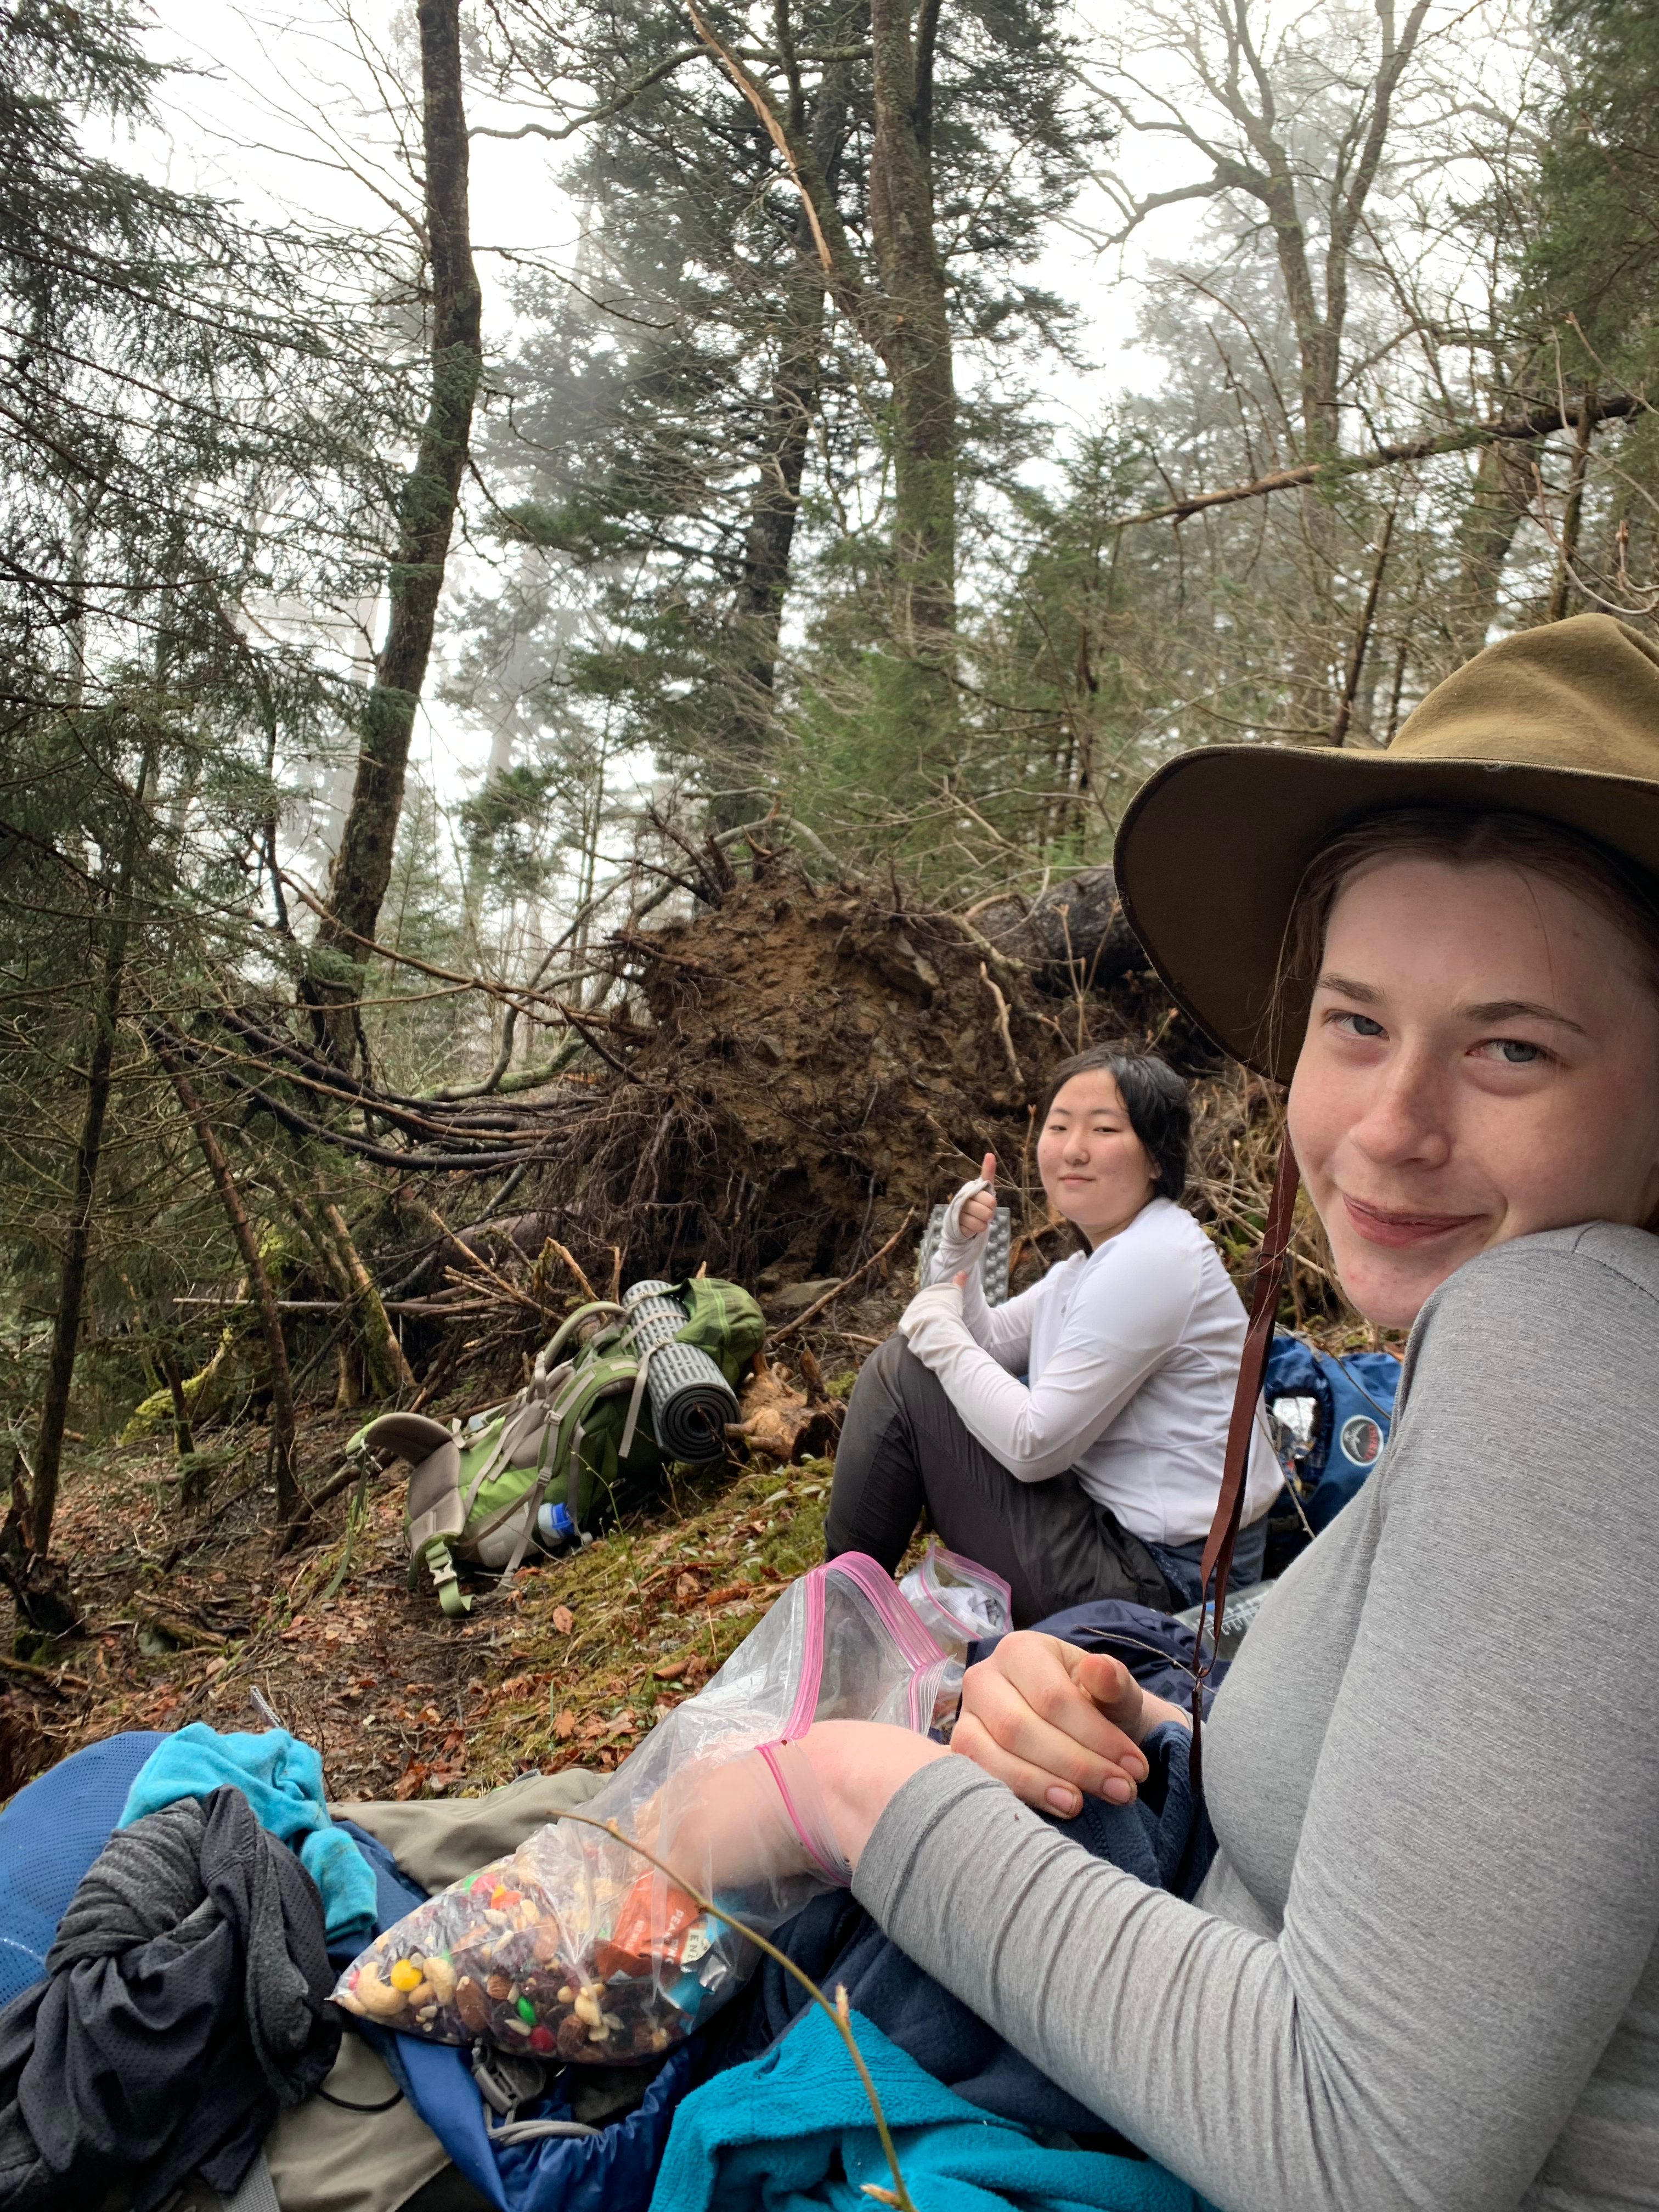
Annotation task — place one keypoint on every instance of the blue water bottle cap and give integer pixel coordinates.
(554, 1525)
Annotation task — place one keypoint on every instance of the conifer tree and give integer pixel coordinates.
(797, 221)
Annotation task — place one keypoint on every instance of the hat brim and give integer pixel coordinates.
(1212, 850)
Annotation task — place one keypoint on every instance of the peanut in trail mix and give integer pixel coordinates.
(492, 1960)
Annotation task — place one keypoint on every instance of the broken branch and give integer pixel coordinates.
(846, 1284)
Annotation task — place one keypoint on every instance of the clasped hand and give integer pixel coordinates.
(1057, 1724)
(1053, 1722)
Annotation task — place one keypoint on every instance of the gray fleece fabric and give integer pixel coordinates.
(1422, 1971)
(187, 2002)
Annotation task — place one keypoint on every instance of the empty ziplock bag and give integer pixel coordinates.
(958, 1600)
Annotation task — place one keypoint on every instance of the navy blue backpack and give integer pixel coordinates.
(1335, 1438)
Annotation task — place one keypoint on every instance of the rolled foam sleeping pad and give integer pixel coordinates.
(691, 1401)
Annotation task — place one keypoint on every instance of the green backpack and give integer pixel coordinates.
(581, 1429)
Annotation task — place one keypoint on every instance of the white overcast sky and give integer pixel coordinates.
(280, 111)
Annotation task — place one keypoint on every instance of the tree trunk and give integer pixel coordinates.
(903, 319)
(1319, 358)
(77, 1247)
(1567, 552)
(184, 1442)
(1320, 322)
(1500, 497)
(77, 1243)
(758, 609)
(768, 542)
(46, 1603)
(347, 1391)
(915, 337)
(431, 492)
(292, 1505)
(389, 1372)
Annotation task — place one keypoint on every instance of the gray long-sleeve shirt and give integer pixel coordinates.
(1423, 1971)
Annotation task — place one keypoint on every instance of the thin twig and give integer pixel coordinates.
(1363, 637)
(838, 2011)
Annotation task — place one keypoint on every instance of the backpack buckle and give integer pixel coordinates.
(446, 1583)
(505, 2081)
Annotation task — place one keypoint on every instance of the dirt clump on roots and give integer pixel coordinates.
(822, 1063)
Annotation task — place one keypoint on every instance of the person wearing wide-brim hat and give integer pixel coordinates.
(1421, 1969)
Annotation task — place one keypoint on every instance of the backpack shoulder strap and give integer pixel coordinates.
(435, 1516)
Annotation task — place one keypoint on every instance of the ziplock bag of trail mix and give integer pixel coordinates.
(577, 1948)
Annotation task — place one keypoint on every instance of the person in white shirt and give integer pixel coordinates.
(1072, 1440)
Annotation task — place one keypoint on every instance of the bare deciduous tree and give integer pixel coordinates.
(426, 517)
(1294, 122)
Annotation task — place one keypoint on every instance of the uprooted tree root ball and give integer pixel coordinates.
(821, 1063)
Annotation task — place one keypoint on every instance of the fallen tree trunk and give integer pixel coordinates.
(1073, 938)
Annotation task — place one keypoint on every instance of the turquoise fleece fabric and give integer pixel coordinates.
(282, 1781)
(792, 2130)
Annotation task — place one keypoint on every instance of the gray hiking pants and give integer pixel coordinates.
(905, 1451)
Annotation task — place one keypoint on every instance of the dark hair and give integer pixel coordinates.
(1156, 1099)
(1564, 856)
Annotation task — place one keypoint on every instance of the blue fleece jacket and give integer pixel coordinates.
(282, 1781)
(793, 2130)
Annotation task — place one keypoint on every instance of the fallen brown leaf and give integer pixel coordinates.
(563, 1619)
(564, 1724)
(673, 1669)
(727, 1591)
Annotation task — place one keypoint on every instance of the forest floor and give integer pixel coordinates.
(190, 1610)
(822, 1066)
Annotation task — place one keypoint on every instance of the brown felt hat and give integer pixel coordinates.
(1561, 721)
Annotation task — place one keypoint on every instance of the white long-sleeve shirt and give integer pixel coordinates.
(1131, 1356)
